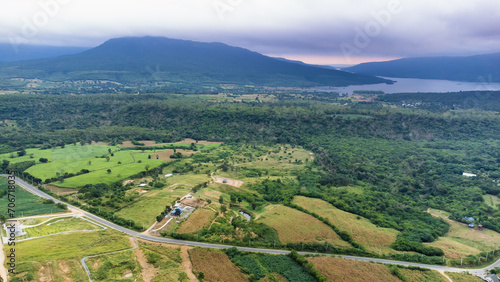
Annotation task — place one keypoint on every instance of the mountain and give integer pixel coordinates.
(478, 68)
(9, 53)
(139, 59)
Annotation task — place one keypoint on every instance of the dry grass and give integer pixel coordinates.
(361, 230)
(200, 142)
(294, 226)
(462, 277)
(232, 182)
(339, 269)
(215, 266)
(422, 276)
(60, 190)
(462, 240)
(196, 221)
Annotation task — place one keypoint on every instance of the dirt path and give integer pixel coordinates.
(3, 270)
(186, 263)
(148, 271)
(446, 276)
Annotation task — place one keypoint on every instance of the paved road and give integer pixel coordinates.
(109, 224)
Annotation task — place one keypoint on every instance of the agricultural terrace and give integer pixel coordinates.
(357, 226)
(59, 259)
(294, 226)
(461, 240)
(27, 204)
(214, 266)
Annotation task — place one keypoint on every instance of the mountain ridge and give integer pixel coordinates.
(139, 59)
(477, 68)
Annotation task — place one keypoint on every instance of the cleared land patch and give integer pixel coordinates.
(492, 201)
(357, 226)
(58, 225)
(422, 276)
(196, 221)
(339, 269)
(462, 240)
(215, 266)
(294, 226)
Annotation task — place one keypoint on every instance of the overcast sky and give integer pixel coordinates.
(314, 31)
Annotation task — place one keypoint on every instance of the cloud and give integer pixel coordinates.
(279, 27)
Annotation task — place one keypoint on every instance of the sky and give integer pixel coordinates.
(313, 31)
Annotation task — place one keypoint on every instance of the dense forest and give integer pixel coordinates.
(405, 160)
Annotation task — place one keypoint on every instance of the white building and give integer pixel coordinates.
(469, 174)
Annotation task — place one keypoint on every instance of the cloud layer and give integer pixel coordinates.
(319, 31)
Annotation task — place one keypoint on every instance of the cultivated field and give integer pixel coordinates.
(215, 266)
(27, 204)
(357, 226)
(197, 220)
(339, 269)
(492, 201)
(294, 226)
(462, 240)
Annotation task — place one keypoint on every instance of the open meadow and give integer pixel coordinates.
(214, 265)
(357, 226)
(294, 226)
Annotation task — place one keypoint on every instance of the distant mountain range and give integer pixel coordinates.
(10, 53)
(139, 59)
(480, 68)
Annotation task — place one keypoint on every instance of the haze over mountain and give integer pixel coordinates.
(479, 68)
(139, 59)
(9, 53)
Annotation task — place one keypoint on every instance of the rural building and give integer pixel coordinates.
(469, 218)
(224, 181)
(469, 174)
(471, 225)
(143, 185)
(168, 175)
(177, 210)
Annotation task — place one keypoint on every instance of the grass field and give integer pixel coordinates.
(294, 226)
(161, 263)
(58, 225)
(492, 201)
(69, 152)
(215, 266)
(462, 240)
(462, 277)
(55, 257)
(26, 203)
(120, 266)
(422, 276)
(197, 220)
(339, 269)
(149, 205)
(358, 227)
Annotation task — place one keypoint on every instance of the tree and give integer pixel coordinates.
(43, 160)
(107, 158)
(200, 275)
(109, 170)
(223, 209)
(221, 199)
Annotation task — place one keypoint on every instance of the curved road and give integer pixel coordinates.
(109, 224)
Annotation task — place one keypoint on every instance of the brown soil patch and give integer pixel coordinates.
(186, 263)
(194, 202)
(196, 221)
(148, 271)
(60, 190)
(165, 154)
(216, 266)
(64, 267)
(147, 143)
(45, 273)
(127, 182)
(339, 269)
(227, 181)
(100, 143)
(201, 142)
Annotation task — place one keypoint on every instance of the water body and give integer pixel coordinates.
(246, 215)
(414, 85)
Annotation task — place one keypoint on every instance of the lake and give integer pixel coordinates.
(405, 85)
